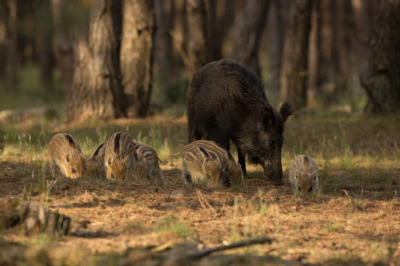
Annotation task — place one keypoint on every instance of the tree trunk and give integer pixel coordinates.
(363, 24)
(136, 54)
(340, 56)
(248, 33)
(63, 47)
(44, 36)
(220, 17)
(295, 53)
(275, 39)
(96, 87)
(313, 56)
(381, 80)
(196, 34)
(13, 59)
(162, 40)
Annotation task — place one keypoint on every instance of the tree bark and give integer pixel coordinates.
(163, 10)
(340, 56)
(220, 18)
(62, 47)
(381, 80)
(137, 55)
(248, 33)
(12, 58)
(313, 56)
(294, 67)
(44, 36)
(363, 24)
(196, 33)
(275, 39)
(96, 89)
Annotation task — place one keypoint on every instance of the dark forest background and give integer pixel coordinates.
(129, 58)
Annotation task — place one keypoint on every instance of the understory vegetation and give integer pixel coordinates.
(354, 216)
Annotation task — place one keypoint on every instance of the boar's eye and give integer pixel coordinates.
(309, 190)
(298, 187)
(73, 171)
(112, 176)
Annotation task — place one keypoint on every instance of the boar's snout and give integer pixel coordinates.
(274, 172)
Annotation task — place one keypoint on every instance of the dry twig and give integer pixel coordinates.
(208, 251)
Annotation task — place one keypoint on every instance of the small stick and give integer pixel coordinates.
(205, 252)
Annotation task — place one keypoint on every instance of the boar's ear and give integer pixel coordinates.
(268, 118)
(285, 111)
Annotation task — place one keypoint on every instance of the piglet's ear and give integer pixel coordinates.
(68, 158)
(314, 175)
(285, 111)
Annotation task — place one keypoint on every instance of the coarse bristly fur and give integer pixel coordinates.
(120, 156)
(226, 102)
(303, 174)
(66, 155)
(199, 165)
(232, 170)
(97, 157)
(148, 163)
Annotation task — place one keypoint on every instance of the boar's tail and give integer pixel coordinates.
(160, 159)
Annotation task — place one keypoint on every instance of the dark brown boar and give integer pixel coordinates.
(226, 101)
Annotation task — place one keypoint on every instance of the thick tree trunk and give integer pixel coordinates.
(295, 53)
(136, 54)
(63, 47)
(96, 88)
(196, 34)
(382, 78)
(248, 33)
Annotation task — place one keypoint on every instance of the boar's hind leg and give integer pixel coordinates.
(194, 134)
(242, 160)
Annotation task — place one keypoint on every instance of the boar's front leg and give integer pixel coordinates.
(242, 160)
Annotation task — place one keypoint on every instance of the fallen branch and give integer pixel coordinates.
(208, 251)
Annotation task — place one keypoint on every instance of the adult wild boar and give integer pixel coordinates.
(226, 101)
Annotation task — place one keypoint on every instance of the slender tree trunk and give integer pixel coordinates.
(340, 56)
(96, 88)
(381, 80)
(162, 40)
(275, 40)
(248, 33)
(294, 67)
(3, 40)
(63, 47)
(314, 55)
(13, 59)
(137, 54)
(44, 36)
(220, 18)
(363, 24)
(196, 35)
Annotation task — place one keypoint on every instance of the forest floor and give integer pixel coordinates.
(354, 219)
